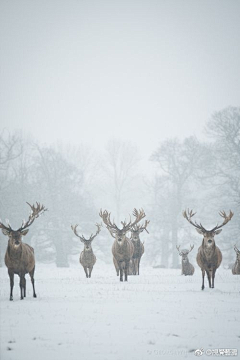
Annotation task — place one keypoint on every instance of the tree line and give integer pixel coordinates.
(75, 182)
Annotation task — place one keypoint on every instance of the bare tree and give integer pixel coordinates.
(177, 163)
(121, 162)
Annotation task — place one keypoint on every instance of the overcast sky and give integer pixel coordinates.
(137, 70)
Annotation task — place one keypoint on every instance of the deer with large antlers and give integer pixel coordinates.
(209, 256)
(138, 246)
(187, 267)
(236, 266)
(122, 248)
(87, 258)
(19, 257)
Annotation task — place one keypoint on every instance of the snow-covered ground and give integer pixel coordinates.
(157, 315)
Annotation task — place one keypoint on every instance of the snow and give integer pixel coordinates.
(157, 315)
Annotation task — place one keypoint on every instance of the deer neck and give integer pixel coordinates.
(121, 248)
(208, 250)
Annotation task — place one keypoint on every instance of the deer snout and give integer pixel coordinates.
(210, 241)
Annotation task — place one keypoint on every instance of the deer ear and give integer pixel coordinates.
(199, 231)
(218, 231)
(24, 232)
(5, 232)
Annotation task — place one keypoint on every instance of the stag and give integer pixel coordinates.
(122, 248)
(87, 258)
(19, 257)
(187, 267)
(209, 256)
(138, 246)
(236, 266)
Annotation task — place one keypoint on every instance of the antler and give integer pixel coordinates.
(81, 237)
(178, 248)
(139, 215)
(226, 219)
(141, 227)
(4, 227)
(74, 228)
(188, 216)
(236, 249)
(112, 227)
(191, 247)
(98, 231)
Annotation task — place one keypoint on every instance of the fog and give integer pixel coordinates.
(101, 99)
(80, 71)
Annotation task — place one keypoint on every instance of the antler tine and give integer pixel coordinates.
(191, 247)
(226, 219)
(188, 217)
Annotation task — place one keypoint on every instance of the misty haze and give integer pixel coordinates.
(119, 179)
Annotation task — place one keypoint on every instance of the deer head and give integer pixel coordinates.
(208, 235)
(87, 242)
(15, 236)
(137, 229)
(184, 253)
(120, 234)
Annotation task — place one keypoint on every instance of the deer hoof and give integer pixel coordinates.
(34, 295)
(11, 298)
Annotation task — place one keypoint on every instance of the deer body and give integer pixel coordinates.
(122, 248)
(137, 254)
(122, 255)
(19, 257)
(236, 266)
(87, 260)
(209, 256)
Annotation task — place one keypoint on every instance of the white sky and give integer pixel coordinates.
(137, 70)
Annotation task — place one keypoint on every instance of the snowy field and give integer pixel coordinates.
(157, 315)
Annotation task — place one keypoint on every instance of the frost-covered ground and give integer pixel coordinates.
(157, 315)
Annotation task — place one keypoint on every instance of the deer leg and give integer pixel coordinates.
(213, 277)
(203, 274)
(121, 271)
(90, 271)
(138, 265)
(11, 276)
(24, 288)
(126, 269)
(135, 266)
(21, 284)
(209, 277)
(86, 272)
(31, 273)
